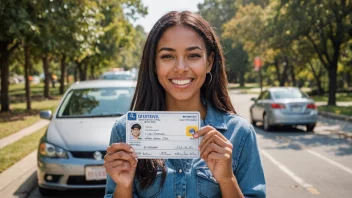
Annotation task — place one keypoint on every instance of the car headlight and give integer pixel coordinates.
(50, 150)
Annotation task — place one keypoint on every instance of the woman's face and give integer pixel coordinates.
(182, 63)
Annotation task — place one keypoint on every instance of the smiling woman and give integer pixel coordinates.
(182, 69)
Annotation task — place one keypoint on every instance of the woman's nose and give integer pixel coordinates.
(181, 66)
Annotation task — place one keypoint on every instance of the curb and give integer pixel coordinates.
(335, 116)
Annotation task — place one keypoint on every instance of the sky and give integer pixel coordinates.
(157, 8)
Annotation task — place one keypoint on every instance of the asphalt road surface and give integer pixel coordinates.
(296, 163)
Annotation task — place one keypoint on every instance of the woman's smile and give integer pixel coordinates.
(181, 82)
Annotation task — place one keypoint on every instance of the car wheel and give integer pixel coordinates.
(310, 127)
(47, 192)
(253, 122)
(266, 124)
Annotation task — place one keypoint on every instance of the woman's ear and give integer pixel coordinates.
(210, 61)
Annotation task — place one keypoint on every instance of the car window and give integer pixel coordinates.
(266, 95)
(97, 102)
(261, 96)
(289, 93)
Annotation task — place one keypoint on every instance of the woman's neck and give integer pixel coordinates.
(194, 104)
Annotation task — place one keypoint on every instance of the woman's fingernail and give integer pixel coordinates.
(134, 154)
(195, 135)
(131, 149)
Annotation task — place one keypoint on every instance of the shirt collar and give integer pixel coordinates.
(215, 118)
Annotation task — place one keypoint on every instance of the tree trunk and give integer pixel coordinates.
(75, 74)
(63, 74)
(283, 78)
(47, 76)
(27, 66)
(92, 71)
(82, 71)
(242, 79)
(4, 66)
(333, 75)
(276, 64)
(293, 76)
(349, 79)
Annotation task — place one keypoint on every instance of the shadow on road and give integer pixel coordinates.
(298, 138)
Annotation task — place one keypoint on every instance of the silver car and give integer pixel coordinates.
(284, 106)
(70, 154)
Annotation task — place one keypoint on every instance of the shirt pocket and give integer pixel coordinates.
(207, 186)
(153, 190)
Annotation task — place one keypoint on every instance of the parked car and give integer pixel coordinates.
(118, 75)
(70, 154)
(284, 106)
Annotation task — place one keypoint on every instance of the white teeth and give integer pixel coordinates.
(181, 82)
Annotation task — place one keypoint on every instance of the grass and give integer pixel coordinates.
(340, 97)
(20, 118)
(340, 110)
(17, 92)
(19, 149)
(247, 86)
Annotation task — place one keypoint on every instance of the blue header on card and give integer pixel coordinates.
(132, 116)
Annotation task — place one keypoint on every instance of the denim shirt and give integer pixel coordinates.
(192, 177)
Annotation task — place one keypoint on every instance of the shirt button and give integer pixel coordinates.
(179, 196)
(180, 171)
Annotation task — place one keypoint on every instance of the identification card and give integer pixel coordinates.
(163, 134)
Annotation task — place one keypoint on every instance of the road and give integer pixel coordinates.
(296, 163)
(301, 164)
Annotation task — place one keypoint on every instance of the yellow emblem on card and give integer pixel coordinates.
(190, 130)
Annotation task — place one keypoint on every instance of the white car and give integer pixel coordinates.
(70, 154)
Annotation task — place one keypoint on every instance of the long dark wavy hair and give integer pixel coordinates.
(150, 95)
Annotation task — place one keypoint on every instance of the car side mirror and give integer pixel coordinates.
(45, 114)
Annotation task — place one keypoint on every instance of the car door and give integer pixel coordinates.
(262, 103)
(256, 107)
(266, 103)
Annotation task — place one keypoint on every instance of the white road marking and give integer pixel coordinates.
(330, 161)
(296, 178)
(319, 155)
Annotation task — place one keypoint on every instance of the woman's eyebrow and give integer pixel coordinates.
(193, 48)
(173, 50)
(166, 49)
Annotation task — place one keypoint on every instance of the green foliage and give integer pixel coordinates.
(296, 40)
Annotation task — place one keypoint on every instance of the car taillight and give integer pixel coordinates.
(277, 106)
(311, 106)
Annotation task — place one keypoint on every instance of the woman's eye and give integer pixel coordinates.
(166, 56)
(195, 55)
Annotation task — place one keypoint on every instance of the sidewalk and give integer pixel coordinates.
(20, 178)
(24, 132)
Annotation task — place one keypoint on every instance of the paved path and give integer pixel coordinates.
(20, 178)
(24, 132)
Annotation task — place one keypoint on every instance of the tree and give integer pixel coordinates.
(13, 22)
(324, 24)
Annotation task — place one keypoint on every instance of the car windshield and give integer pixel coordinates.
(289, 93)
(96, 102)
(117, 77)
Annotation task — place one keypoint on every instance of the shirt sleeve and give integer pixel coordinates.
(110, 184)
(249, 172)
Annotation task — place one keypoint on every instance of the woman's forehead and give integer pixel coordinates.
(180, 36)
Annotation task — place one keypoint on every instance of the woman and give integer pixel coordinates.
(182, 69)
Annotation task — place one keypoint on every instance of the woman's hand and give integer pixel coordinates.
(120, 163)
(216, 151)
